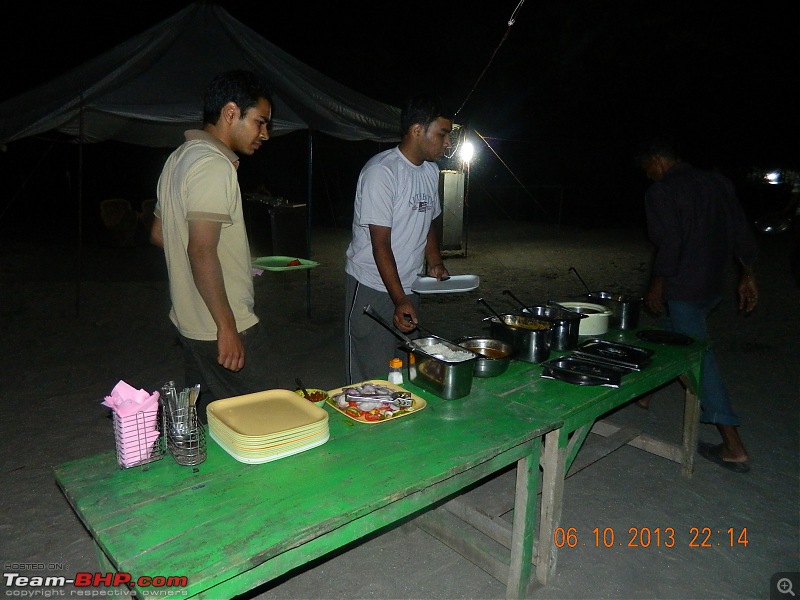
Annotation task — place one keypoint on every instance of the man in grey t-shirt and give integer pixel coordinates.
(397, 198)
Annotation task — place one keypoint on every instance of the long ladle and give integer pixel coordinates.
(428, 331)
(496, 314)
(508, 293)
(368, 310)
(574, 270)
(569, 310)
(557, 305)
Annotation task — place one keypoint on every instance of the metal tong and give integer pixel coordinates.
(399, 399)
(399, 403)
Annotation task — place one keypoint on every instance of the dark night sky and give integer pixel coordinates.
(573, 85)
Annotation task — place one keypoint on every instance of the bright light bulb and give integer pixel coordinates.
(773, 177)
(467, 151)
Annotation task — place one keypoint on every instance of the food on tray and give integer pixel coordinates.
(293, 263)
(488, 352)
(315, 395)
(523, 323)
(372, 402)
(444, 352)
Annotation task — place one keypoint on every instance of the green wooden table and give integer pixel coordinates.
(580, 409)
(229, 527)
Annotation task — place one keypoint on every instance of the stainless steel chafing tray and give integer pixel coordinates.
(577, 371)
(615, 353)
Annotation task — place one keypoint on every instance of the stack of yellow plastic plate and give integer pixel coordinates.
(265, 426)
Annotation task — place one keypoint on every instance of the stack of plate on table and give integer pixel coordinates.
(265, 426)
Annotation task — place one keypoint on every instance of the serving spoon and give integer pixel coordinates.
(302, 388)
(574, 270)
(371, 312)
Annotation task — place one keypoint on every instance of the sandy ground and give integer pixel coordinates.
(70, 334)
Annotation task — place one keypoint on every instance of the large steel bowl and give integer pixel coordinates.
(494, 355)
(625, 308)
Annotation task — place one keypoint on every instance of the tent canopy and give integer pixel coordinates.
(149, 89)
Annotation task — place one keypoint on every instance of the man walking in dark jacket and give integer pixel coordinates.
(697, 224)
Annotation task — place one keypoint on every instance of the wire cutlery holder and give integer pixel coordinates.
(186, 439)
(185, 435)
(138, 438)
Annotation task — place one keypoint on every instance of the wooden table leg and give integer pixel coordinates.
(553, 465)
(524, 524)
(691, 425)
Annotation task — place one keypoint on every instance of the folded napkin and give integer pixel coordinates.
(126, 400)
(134, 448)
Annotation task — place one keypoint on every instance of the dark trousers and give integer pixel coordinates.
(369, 346)
(217, 382)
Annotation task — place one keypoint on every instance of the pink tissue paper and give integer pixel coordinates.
(135, 422)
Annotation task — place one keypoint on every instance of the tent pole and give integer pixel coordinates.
(80, 213)
(308, 219)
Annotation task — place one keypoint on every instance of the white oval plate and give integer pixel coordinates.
(456, 283)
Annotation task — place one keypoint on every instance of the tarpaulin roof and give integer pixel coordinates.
(149, 89)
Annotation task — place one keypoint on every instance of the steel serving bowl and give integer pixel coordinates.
(625, 308)
(495, 355)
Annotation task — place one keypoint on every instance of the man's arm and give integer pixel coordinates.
(654, 296)
(433, 256)
(747, 289)
(381, 238)
(208, 277)
(156, 233)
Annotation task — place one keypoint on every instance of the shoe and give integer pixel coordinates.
(712, 453)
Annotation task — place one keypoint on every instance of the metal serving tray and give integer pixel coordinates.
(615, 353)
(446, 378)
(572, 369)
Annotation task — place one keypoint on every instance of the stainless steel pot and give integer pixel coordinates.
(566, 325)
(494, 355)
(625, 309)
(529, 337)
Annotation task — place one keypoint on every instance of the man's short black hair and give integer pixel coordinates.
(245, 88)
(661, 145)
(423, 109)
